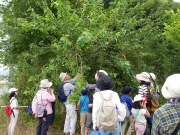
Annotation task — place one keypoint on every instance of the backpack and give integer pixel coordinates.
(153, 99)
(8, 109)
(127, 109)
(29, 110)
(107, 116)
(37, 104)
(61, 95)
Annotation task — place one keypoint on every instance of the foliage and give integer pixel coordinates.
(50, 36)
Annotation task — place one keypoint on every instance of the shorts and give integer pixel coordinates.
(89, 121)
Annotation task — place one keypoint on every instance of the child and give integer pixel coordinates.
(83, 105)
(89, 117)
(127, 99)
(139, 111)
(15, 107)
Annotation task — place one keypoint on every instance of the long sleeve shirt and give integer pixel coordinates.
(69, 88)
(97, 103)
(47, 98)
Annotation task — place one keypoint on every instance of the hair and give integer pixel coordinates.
(12, 94)
(137, 105)
(144, 82)
(100, 74)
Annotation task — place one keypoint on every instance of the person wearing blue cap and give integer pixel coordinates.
(83, 105)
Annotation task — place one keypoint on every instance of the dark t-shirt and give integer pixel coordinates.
(90, 102)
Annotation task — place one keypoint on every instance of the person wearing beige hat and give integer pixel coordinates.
(144, 80)
(47, 97)
(166, 119)
(71, 114)
(15, 107)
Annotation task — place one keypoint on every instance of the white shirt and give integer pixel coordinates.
(97, 102)
(13, 104)
(140, 116)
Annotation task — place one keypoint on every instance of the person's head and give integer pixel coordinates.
(45, 84)
(138, 102)
(143, 78)
(13, 92)
(171, 87)
(105, 83)
(127, 90)
(152, 77)
(84, 92)
(64, 77)
(100, 73)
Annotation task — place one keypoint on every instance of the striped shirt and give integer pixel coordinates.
(165, 119)
(143, 89)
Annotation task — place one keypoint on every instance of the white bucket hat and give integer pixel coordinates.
(153, 76)
(12, 90)
(144, 76)
(138, 98)
(45, 84)
(62, 76)
(171, 87)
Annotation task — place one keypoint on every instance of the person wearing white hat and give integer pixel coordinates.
(140, 111)
(71, 114)
(153, 82)
(166, 119)
(15, 107)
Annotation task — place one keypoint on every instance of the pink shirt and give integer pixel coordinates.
(47, 98)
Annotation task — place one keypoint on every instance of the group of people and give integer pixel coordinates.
(164, 120)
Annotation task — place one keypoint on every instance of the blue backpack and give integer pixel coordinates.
(61, 95)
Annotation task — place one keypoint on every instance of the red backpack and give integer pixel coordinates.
(8, 109)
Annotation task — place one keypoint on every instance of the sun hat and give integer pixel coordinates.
(138, 98)
(62, 76)
(100, 72)
(171, 87)
(13, 90)
(153, 76)
(105, 83)
(84, 92)
(45, 83)
(144, 76)
(127, 90)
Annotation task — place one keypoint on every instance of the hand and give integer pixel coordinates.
(77, 110)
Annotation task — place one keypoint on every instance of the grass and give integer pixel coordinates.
(27, 125)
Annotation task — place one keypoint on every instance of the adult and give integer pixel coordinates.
(47, 96)
(145, 82)
(153, 82)
(167, 117)
(15, 107)
(106, 85)
(71, 114)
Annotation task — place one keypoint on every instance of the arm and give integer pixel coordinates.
(78, 105)
(147, 114)
(120, 106)
(50, 96)
(95, 111)
(72, 81)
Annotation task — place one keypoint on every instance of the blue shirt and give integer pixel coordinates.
(128, 100)
(84, 102)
